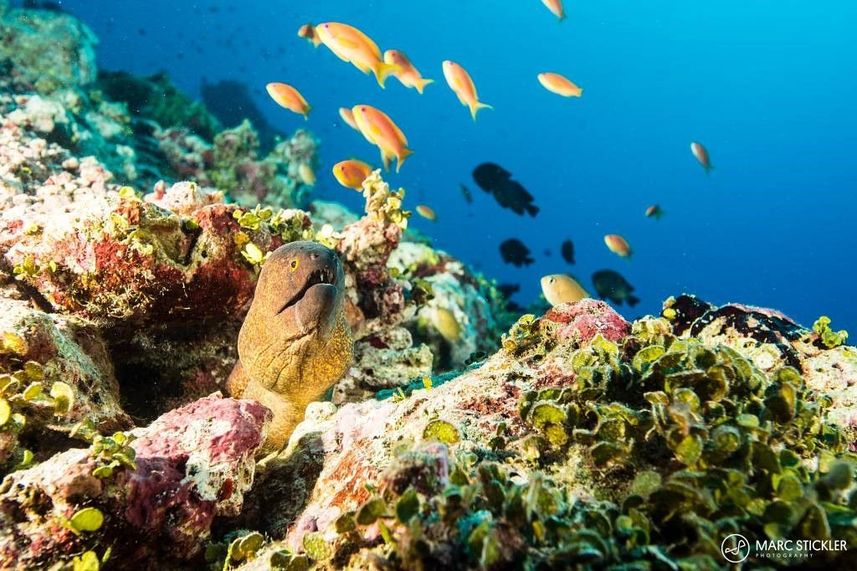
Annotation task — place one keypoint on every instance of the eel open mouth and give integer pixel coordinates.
(317, 277)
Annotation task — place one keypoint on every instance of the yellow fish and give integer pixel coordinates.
(462, 85)
(307, 31)
(377, 127)
(562, 288)
(559, 84)
(351, 45)
(446, 324)
(348, 117)
(426, 212)
(287, 96)
(618, 245)
(407, 74)
(306, 174)
(351, 173)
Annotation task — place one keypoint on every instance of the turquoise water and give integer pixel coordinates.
(768, 86)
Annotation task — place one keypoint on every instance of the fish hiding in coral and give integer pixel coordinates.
(515, 252)
(611, 285)
(295, 341)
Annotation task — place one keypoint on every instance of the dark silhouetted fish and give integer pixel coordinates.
(515, 252)
(508, 193)
(490, 175)
(611, 285)
(515, 197)
(567, 250)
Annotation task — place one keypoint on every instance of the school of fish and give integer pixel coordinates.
(353, 46)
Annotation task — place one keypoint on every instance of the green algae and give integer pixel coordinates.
(24, 402)
(829, 338)
(684, 443)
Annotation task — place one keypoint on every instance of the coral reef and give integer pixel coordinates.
(458, 437)
(152, 493)
(586, 441)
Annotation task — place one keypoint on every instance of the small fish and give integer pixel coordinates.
(307, 31)
(611, 285)
(514, 252)
(351, 173)
(287, 96)
(465, 192)
(351, 45)
(446, 324)
(701, 154)
(377, 127)
(654, 211)
(562, 288)
(348, 117)
(555, 6)
(407, 73)
(618, 245)
(426, 212)
(462, 85)
(306, 174)
(567, 251)
(561, 85)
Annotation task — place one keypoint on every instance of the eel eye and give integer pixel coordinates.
(293, 264)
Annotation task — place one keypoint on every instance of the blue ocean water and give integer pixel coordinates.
(768, 86)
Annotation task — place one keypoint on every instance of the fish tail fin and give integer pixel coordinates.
(476, 107)
(400, 159)
(633, 300)
(384, 70)
(532, 209)
(421, 84)
(708, 169)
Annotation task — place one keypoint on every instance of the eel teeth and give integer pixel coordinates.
(319, 276)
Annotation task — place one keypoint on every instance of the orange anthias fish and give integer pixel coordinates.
(377, 127)
(408, 74)
(462, 85)
(287, 96)
(555, 6)
(701, 154)
(618, 245)
(426, 212)
(351, 173)
(351, 45)
(561, 85)
(307, 31)
(348, 117)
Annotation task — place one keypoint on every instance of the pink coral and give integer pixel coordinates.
(583, 320)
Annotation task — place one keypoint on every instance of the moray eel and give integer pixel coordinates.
(295, 341)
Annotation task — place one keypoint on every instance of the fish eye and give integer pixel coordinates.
(293, 264)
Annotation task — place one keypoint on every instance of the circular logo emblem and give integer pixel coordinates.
(735, 548)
